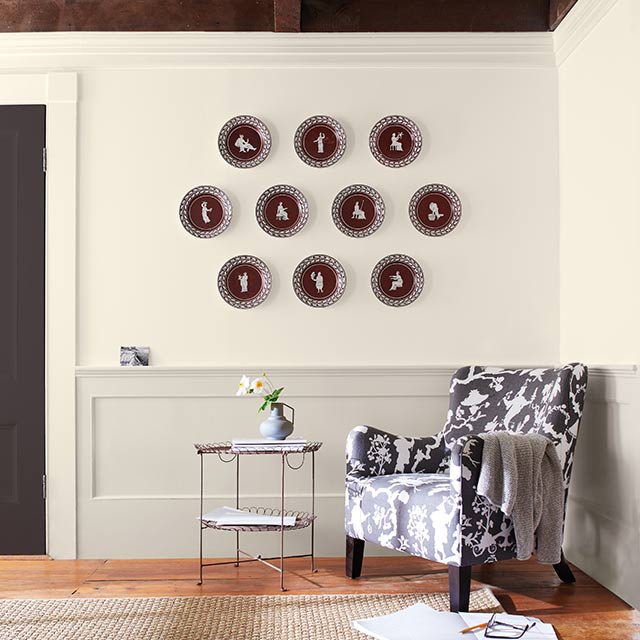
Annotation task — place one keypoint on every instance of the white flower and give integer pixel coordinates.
(244, 386)
(258, 385)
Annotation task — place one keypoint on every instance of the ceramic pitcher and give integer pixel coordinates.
(276, 426)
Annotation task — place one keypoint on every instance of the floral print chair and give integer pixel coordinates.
(418, 495)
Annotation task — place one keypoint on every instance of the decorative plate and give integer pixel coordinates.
(358, 210)
(205, 212)
(397, 280)
(395, 141)
(244, 282)
(319, 280)
(435, 210)
(320, 141)
(244, 141)
(282, 211)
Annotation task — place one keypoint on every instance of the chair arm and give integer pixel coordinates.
(372, 452)
(466, 459)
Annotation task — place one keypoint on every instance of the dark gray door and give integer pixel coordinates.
(22, 209)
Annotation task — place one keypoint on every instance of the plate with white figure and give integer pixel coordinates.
(395, 141)
(244, 282)
(319, 280)
(435, 210)
(320, 141)
(244, 141)
(282, 210)
(397, 280)
(358, 210)
(205, 211)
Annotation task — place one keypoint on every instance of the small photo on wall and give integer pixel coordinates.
(134, 356)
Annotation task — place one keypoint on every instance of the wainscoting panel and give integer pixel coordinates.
(138, 473)
(603, 514)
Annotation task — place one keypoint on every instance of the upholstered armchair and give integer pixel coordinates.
(419, 495)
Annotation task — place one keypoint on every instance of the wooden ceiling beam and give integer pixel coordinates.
(558, 10)
(286, 16)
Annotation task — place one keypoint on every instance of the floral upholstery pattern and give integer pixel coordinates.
(418, 495)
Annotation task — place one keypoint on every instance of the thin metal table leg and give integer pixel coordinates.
(313, 510)
(237, 507)
(284, 456)
(201, 509)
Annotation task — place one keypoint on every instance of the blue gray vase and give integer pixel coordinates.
(276, 426)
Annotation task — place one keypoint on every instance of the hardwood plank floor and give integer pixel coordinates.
(583, 611)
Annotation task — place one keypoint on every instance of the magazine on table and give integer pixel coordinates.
(227, 516)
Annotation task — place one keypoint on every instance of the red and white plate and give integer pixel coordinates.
(320, 141)
(282, 211)
(244, 282)
(435, 210)
(244, 141)
(397, 280)
(358, 210)
(205, 211)
(395, 141)
(319, 280)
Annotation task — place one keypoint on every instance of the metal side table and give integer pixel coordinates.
(227, 453)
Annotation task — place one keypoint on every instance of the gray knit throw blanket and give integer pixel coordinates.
(521, 475)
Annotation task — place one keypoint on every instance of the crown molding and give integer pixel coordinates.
(577, 25)
(78, 50)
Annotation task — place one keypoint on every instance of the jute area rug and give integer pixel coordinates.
(307, 617)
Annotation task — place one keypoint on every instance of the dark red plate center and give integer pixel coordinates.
(319, 281)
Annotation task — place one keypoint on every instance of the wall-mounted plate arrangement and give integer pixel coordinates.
(397, 280)
(435, 210)
(358, 210)
(244, 282)
(320, 141)
(395, 141)
(244, 141)
(319, 280)
(282, 211)
(205, 211)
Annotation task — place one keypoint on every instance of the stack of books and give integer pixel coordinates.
(262, 444)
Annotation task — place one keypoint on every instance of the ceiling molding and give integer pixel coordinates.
(284, 50)
(577, 25)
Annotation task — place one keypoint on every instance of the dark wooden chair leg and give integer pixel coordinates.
(564, 570)
(355, 553)
(459, 588)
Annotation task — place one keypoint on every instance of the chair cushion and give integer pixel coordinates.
(411, 512)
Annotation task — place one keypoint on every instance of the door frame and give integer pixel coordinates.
(58, 92)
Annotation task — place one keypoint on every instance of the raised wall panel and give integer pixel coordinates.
(138, 473)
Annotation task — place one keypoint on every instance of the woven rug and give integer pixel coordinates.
(309, 617)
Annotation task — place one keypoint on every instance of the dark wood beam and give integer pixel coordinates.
(558, 9)
(136, 15)
(425, 15)
(286, 15)
(282, 15)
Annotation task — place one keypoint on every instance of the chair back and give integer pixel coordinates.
(545, 401)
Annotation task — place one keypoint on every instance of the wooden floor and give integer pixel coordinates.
(583, 611)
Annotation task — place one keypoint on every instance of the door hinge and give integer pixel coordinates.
(44, 486)
(44, 159)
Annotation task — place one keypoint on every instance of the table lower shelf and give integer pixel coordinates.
(303, 520)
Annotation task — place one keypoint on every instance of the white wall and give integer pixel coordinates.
(147, 136)
(599, 233)
(600, 205)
